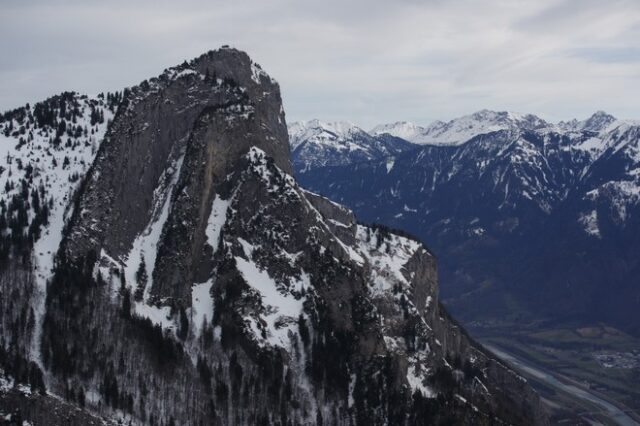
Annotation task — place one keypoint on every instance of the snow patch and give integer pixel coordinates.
(146, 244)
(201, 304)
(417, 383)
(390, 163)
(387, 258)
(589, 223)
(160, 315)
(216, 221)
(282, 309)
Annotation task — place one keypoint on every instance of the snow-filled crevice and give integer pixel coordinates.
(202, 303)
(281, 307)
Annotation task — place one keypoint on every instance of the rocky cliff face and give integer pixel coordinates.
(197, 283)
(179, 128)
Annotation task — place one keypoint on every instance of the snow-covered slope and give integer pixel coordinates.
(613, 180)
(45, 151)
(405, 130)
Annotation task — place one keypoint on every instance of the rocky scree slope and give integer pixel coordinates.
(197, 283)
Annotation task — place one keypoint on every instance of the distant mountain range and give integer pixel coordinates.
(460, 130)
(532, 221)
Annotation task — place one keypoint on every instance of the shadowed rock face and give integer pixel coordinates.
(186, 124)
(305, 312)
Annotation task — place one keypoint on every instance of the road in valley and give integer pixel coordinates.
(609, 410)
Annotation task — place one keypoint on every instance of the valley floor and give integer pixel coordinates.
(586, 375)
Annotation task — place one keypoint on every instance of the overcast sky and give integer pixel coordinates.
(363, 61)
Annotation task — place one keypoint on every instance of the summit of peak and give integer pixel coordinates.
(406, 130)
(205, 112)
(508, 117)
(339, 126)
(598, 121)
(601, 113)
(321, 131)
(227, 63)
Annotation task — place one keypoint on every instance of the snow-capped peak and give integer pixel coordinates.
(598, 122)
(460, 130)
(508, 119)
(401, 129)
(315, 143)
(321, 132)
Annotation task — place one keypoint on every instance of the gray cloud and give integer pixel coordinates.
(364, 61)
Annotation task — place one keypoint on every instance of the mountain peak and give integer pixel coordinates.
(232, 63)
(401, 129)
(189, 255)
(509, 118)
(315, 143)
(599, 121)
(192, 124)
(321, 132)
(342, 126)
(601, 113)
(460, 130)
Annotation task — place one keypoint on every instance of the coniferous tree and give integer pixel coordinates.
(141, 279)
(183, 331)
(126, 303)
(304, 330)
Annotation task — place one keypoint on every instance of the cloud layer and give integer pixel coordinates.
(364, 61)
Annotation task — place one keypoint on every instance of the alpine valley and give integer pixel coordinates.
(530, 220)
(536, 227)
(161, 266)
